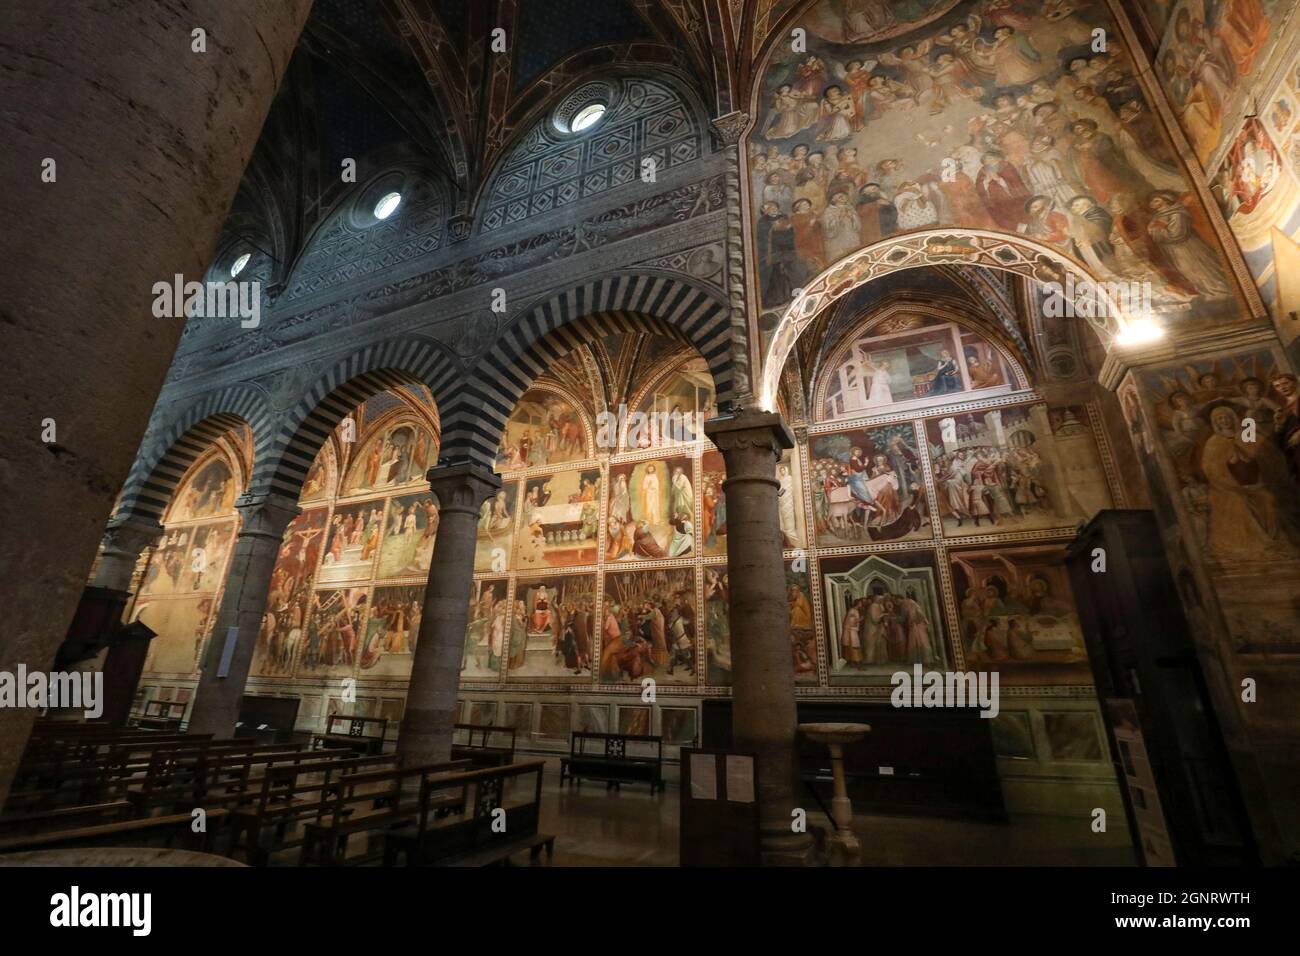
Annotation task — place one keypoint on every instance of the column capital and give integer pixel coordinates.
(265, 515)
(462, 486)
(128, 535)
(750, 428)
(730, 127)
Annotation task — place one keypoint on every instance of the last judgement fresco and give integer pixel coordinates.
(994, 116)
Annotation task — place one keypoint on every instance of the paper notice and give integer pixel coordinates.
(704, 777)
(740, 779)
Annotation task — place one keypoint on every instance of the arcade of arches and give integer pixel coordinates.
(749, 388)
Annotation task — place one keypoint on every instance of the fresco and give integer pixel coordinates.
(906, 361)
(409, 530)
(189, 559)
(181, 625)
(998, 117)
(333, 633)
(289, 598)
(544, 429)
(1210, 50)
(209, 491)
(867, 486)
(649, 627)
(398, 455)
(495, 531)
(391, 631)
(1012, 469)
(1017, 615)
(675, 408)
(553, 626)
(651, 510)
(803, 638)
(1238, 496)
(559, 522)
(319, 483)
(488, 633)
(882, 615)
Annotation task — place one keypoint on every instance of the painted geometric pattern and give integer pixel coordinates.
(341, 252)
(546, 171)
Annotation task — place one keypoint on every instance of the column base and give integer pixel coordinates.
(784, 848)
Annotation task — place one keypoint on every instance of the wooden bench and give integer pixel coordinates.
(288, 794)
(483, 745)
(612, 761)
(363, 802)
(176, 829)
(163, 715)
(64, 818)
(351, 733)
(498, 816)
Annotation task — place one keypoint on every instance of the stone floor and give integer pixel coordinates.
(629, 827)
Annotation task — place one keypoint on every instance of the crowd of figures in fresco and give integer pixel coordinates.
(1002, 115)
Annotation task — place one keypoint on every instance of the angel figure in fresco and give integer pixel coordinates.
(790, 113)
(1015, 61)
(962, 38)
(838, 116)
(864, 19)
(879, 394)
(911, 59)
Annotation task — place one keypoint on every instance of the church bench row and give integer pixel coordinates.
(174, 830)
(365, 802)
(484, 745)
(287, 796)
(611, 759)
(496, 813)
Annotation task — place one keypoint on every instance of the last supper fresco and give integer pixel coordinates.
(1020, 118)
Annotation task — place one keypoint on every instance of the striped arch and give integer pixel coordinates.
(659, 304)
(376, 368)
(154, 477)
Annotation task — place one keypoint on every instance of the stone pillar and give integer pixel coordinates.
(124, 541)
(149, 139)
(435, 672)
(762, 669)
(243, 604)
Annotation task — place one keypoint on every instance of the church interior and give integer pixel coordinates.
(836, 432)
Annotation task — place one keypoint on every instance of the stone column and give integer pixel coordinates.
(124, 541)
(435, 672)
(243, 603)
(148, 139)
(762, 668)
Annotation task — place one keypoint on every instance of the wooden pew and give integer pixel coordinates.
(352, 733)
(484, 745)
(174, 830)
(363, 802)
(289, 794)
(64, 818)
(613, 762)
(474, 835)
